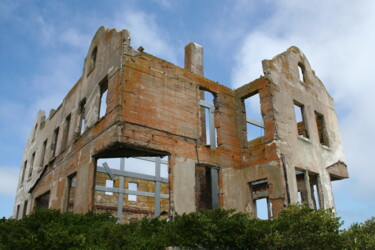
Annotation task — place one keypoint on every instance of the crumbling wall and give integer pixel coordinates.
(130, 104)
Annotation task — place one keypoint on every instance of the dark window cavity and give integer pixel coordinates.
(322, 132)
(299, 111)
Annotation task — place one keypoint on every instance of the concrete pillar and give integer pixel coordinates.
(194, 58)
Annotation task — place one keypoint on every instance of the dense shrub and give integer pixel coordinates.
(297, 227)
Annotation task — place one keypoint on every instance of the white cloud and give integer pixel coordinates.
(336, 37)
(8, 181)
(145, 32)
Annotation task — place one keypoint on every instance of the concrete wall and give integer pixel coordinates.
(153, 109)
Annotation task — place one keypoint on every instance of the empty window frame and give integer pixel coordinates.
(299, 111)
(44, 148)
(42, 201)
(309, 189)
(260, 196)
(71, 191)
(301, 72)
(24, 213)
(31, 165)
(82, 117)
(66, 131)
(151, 188)
(206, 188)
(54, 141)
(23, 172)
(18, 212)
(209, 132)
(103, 98)
(109, 184)
(132, 186)
(93, 58)
(321, 126)
(254, 119)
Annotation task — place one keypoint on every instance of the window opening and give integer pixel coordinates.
(308, 188)
(23, 172)
(24, 209)
(301, 72)
(31, 165)
(254, 119)
(103, 99)
(17, 212)
(209, 132)
(72, 185)
(322, 132)
(142, 179)
(42, 201)
(93, 59)
(109, 184)
(54, 141)
(206, 188)
(260, 196)
(299, 111)
(66, 132)
(132, 187)
(262, 208)
(43, 155)
(82, 116)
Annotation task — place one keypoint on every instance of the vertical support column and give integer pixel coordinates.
(320, 192)
(214, 187)
(157, 186)
(194, 58)
(308, 188)
(120, 194)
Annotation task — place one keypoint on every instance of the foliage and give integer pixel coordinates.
(297, 227)
(360, 236)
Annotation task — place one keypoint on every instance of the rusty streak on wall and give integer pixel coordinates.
(153, 109)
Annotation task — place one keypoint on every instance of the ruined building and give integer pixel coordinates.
(138, 136)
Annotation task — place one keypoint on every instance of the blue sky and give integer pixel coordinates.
(43, 45)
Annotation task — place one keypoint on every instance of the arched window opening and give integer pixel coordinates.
(301, 72)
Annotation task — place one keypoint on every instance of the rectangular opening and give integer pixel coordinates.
(54, 141)
(43, 155)
(66, 132)
(322, 132)
(42, 201)
(209, 131)
(299, 112)
(103, 98)
(71, 191)
(24, 213)
(18, 212)
(132, 187)
(254, 119)
(31, 165)
(206, 188)
(262, 208)
(82, 117)
(260, 195)
(109, 184)
(308, 188)
(23, 172)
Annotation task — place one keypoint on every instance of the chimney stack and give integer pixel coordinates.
(194, 58)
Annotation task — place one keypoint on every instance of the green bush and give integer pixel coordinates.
(297, 227)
